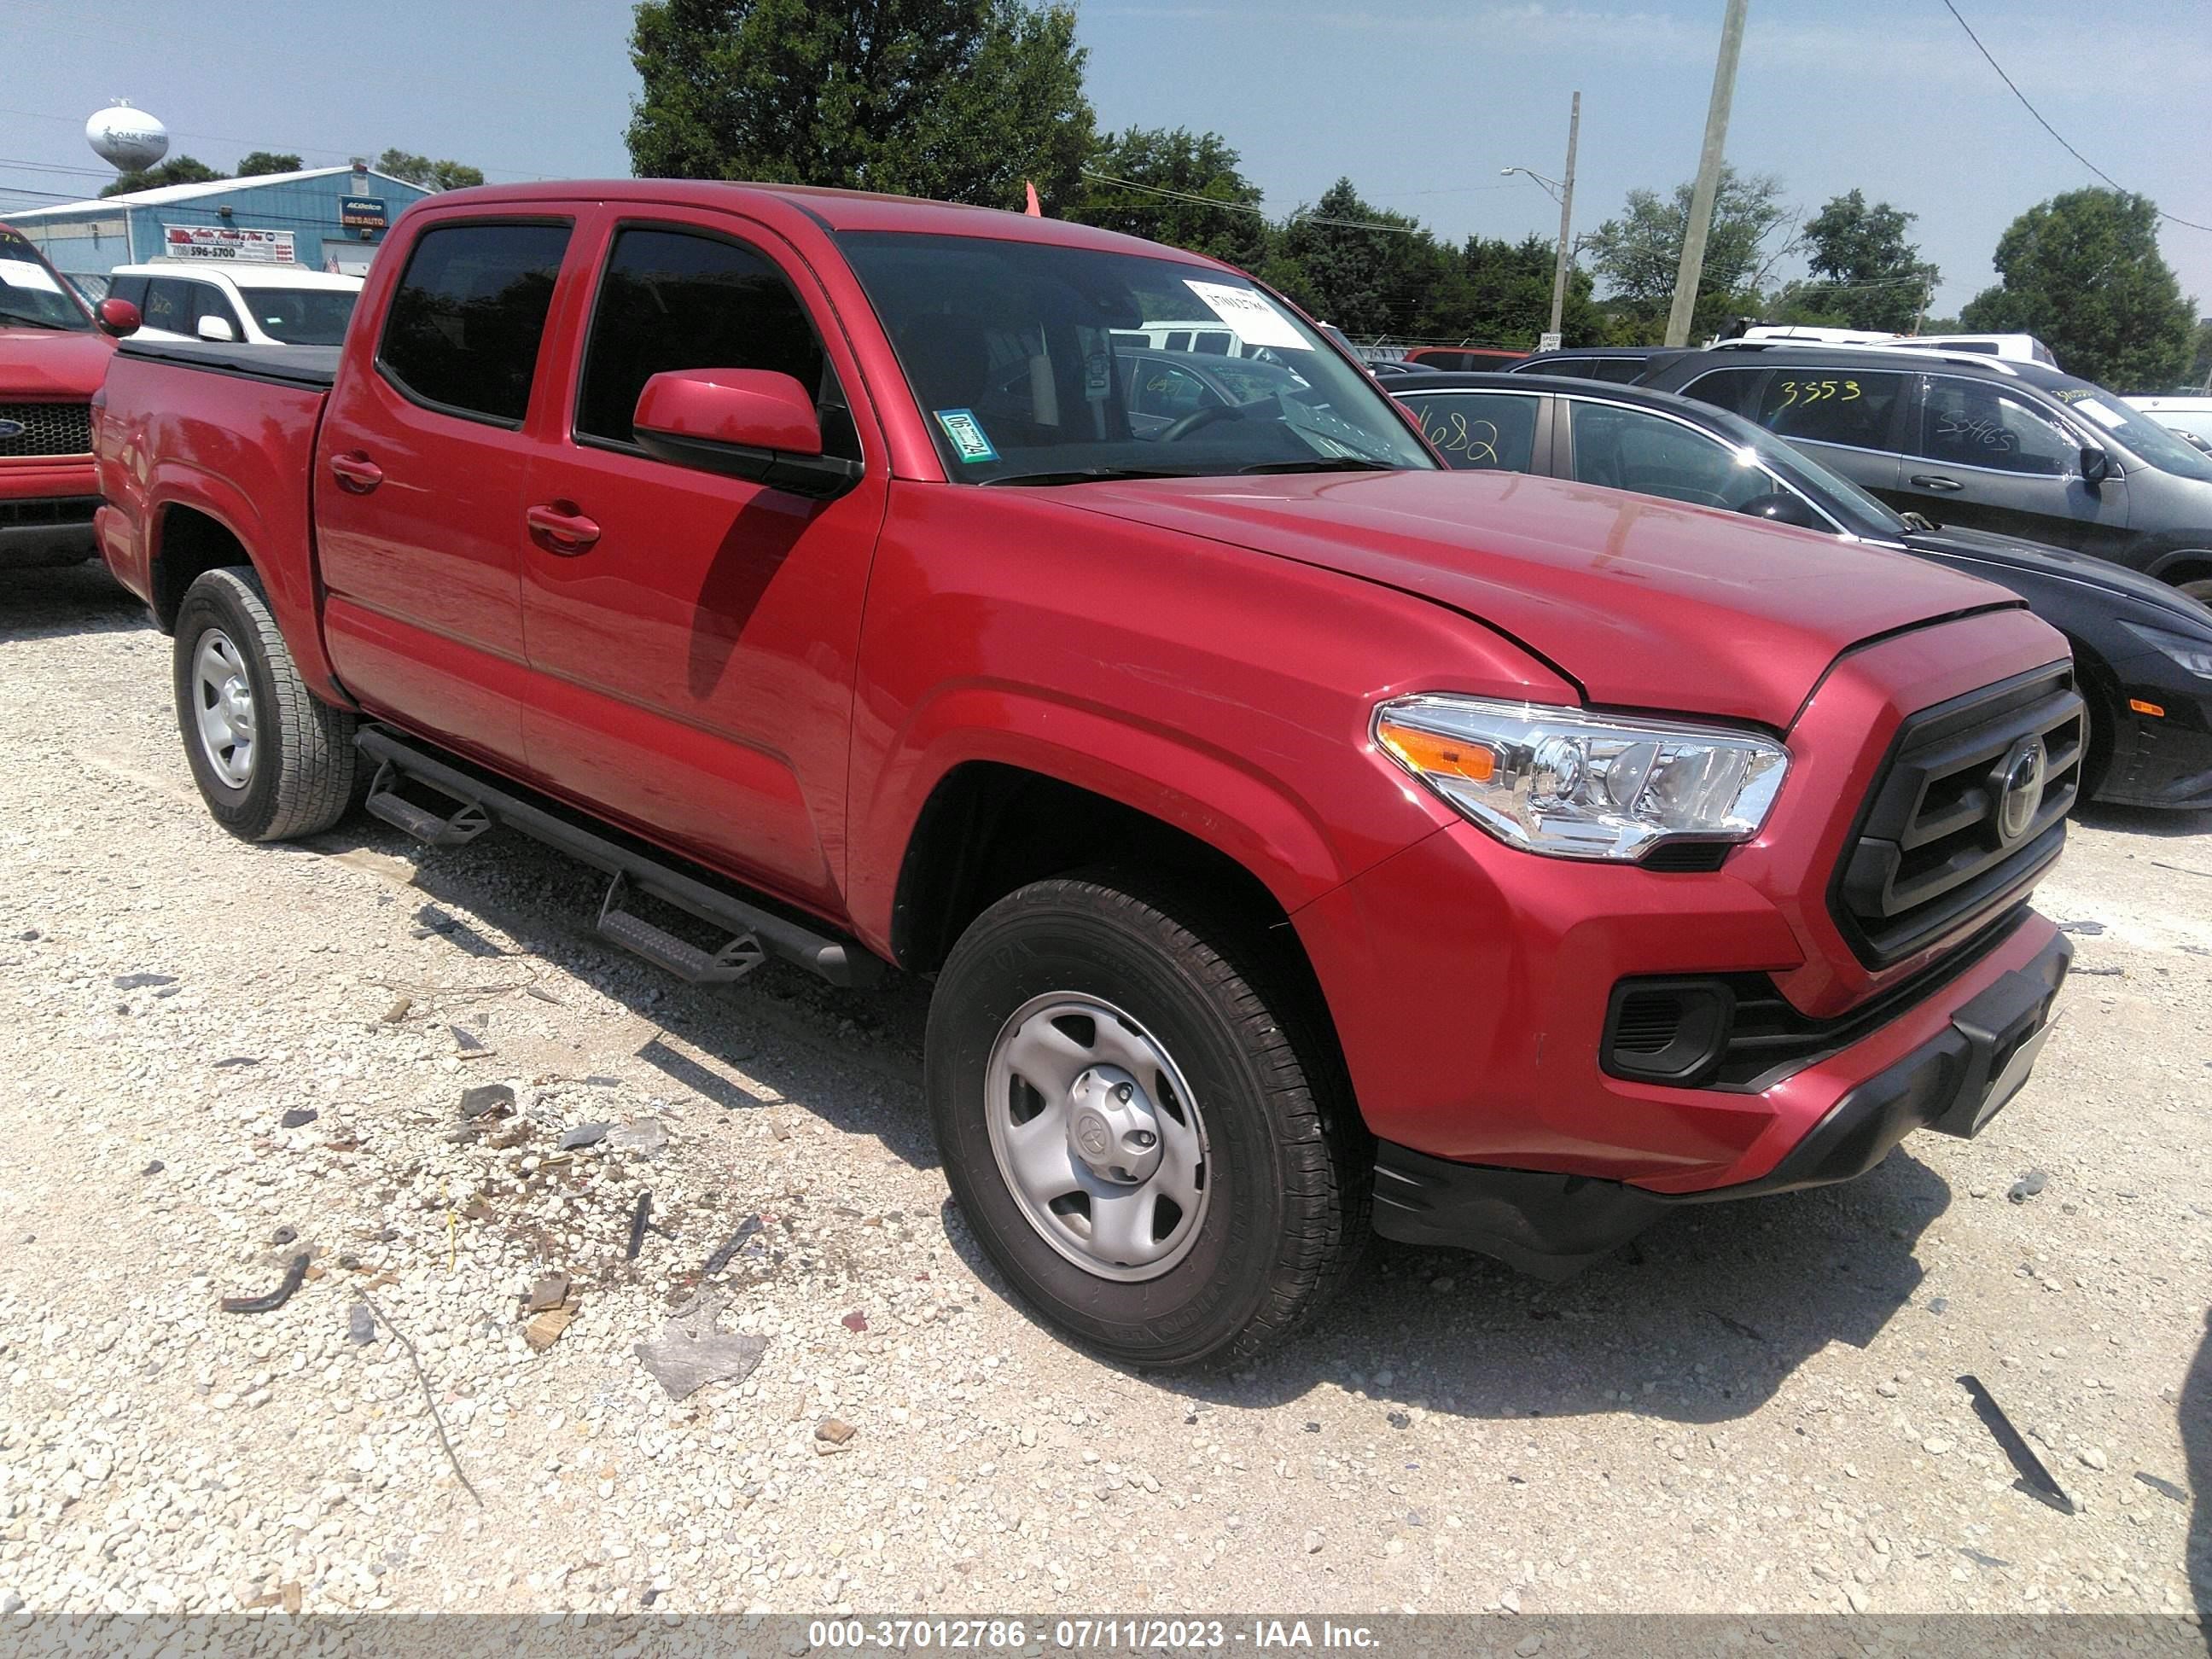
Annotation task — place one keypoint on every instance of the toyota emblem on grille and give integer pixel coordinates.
(12, 428)
(2019, 788)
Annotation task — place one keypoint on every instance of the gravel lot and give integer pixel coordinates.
(1751, 1409)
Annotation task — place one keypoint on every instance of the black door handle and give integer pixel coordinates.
(1936, 481)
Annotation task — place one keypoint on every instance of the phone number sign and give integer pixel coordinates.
(260, 247)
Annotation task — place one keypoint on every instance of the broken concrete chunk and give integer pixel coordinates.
(645, 1136)
(361, 1325)
(689, 1352)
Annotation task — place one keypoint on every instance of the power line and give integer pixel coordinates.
(2054, 132)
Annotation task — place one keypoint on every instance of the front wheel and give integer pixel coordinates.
(1142, 1124)
(272, 759)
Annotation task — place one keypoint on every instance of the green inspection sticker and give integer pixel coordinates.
(967, 434)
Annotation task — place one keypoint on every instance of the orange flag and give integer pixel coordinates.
(1032, 209)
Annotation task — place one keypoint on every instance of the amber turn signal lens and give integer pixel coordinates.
(2142, 707)
(1434, 755)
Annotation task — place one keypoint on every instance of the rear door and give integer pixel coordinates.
(418, 485)
(1852, 420)
(692, 635)
(1990, 458)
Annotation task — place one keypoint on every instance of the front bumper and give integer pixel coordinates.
(49, 529)
(2163, 759)
(1993, 1022)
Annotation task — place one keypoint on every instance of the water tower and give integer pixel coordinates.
(127, 139)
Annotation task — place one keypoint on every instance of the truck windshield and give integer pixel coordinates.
(300, 316)
(1042, 365)
(30, 292)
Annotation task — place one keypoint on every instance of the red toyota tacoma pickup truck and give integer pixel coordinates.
(1301, 837)
(50, 365)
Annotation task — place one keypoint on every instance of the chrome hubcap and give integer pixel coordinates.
(222, 702)
(1098, 1136)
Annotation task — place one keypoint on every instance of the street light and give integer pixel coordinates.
(1563, 193)
(1552, 187)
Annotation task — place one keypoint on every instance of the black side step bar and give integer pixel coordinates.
(756, 932)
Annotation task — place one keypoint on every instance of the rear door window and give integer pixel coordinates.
(468, 315)
(1478, 431)
(676, 300)
(1826, 406)
(1973, 423)
(168, 305)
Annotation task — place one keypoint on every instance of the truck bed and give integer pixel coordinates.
(314, 367)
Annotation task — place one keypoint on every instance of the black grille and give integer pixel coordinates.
(1681, 856)
(1929, 855)
(45, 429)
(1661, 1030)
(48, 510)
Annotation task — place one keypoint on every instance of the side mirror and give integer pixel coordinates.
(1782, 507)
(217, 329)
(2096, 464)
(117, 317)
(747, 423)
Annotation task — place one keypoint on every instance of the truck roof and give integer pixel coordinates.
(832, 209)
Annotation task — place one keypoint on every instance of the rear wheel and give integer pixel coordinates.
(1142, 1123)
(272, 759)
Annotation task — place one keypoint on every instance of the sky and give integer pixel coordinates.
(1420, 102)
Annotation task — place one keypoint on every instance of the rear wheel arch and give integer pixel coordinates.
(188, 543)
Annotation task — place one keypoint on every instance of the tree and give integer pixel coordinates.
(1639, 254)
(430, 174)
(1500, 294)
(960, 99)
(1865, 274)
(2083, 273)
(1369, 271)
(177, 170)
(267, 161)
(1153, 159)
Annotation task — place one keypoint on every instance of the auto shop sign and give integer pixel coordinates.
(236, 242)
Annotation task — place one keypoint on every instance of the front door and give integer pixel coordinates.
(418, 488)
(692, 635)
(1987, 458)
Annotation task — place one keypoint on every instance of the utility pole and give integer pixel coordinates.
(1566, 222)
(1709, 176)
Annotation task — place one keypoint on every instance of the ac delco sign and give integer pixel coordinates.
(239, 242)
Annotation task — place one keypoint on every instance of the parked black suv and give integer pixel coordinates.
(1980, 442)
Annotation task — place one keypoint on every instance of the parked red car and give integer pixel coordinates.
(1451, 358)
(1296, 830)
(51, 364)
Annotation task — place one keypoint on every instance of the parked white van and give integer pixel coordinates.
(245, 304)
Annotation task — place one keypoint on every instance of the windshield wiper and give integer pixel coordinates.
(1322, 463)
(1085, 475)
(7, 316)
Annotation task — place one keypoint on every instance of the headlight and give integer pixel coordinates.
(2195, 655)
(1575, 784)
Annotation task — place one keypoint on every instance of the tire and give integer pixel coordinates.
(296, 777)
(1242, 1068)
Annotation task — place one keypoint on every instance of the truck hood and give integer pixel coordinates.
(40, 363)
(1643, 603)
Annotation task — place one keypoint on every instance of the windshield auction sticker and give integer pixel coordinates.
(967, 434)
(1253, 316)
